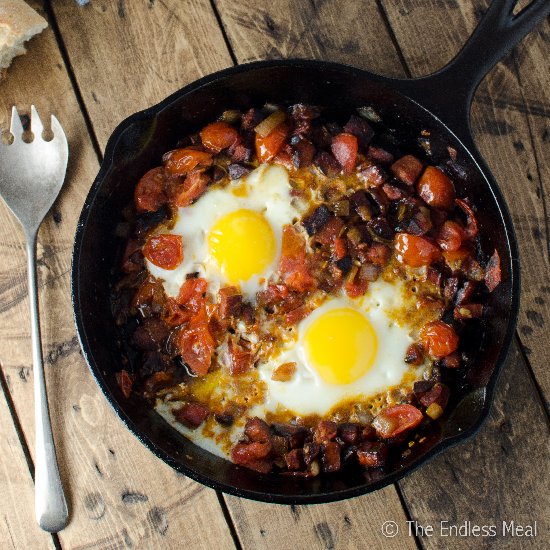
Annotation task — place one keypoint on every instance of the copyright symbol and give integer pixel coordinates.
(390, 529)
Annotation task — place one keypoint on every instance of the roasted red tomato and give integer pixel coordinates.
(450, 236)
(414, 250)
(165, 251)
(267, 147)
(196, 344)
(436, 188)
(293, 265)
(192, 292)
(439, 339)
(192, 188)
(218, 136)
(181, 161)
(149, 194)
(395, 420)
(344, 147)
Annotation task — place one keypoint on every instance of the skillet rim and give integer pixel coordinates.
(393, 84)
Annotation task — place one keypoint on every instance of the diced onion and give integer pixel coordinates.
(270, 123)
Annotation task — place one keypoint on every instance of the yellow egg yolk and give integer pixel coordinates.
(243, 245)
(340, 345)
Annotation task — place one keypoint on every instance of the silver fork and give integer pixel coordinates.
(31, 176)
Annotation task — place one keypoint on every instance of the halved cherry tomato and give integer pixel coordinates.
(165, 251)
(451, 236)
(436, 188)
(344, 147)
(192, 292)
(218, 136)
(192, 188)
(439, 339)
(267, 147)
(149, 194)
(292, 265)
(414, 250)
(395, 420)
(181, 161)
(196, 344)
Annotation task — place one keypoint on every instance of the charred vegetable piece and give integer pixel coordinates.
(407, 169)
(317, 220)
(192, 414)
(493, 274)
(372, 454)
(361, 129)
(125, 383)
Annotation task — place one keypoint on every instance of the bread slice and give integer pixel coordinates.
(18, 23)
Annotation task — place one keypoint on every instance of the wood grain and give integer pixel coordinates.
(354, 524)
(497, 476)
(18, 528)
(509, 121)
(120, 495)
(129, 55)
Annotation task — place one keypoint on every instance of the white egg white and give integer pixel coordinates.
(307, 393)
(266, 191)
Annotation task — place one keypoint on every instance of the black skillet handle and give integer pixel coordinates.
(448, 92)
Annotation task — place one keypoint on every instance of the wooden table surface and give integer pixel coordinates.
(95, 65)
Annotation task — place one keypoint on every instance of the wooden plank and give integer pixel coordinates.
(511, 136)
(355, 35)
(321, 30)
(352, 524)
(494, 478)
(129, 55)
(18, 528)
(119, 493)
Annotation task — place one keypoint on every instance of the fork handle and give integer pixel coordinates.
(50, 504)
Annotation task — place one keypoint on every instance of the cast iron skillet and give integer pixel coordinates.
(439, 102)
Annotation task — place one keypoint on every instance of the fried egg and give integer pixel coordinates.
(344, 349)
(232, 235)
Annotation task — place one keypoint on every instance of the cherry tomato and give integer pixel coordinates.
(451, 236)
(439, 339)
(292, 265)
(192, 188)
(436, 188)
(181, 161)
(196, 343)
(267, 147)
(192, 292)
(149, 194)
(165, 251)
(414, 250)
(218, 136)
(344, 147)
(395, 420)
